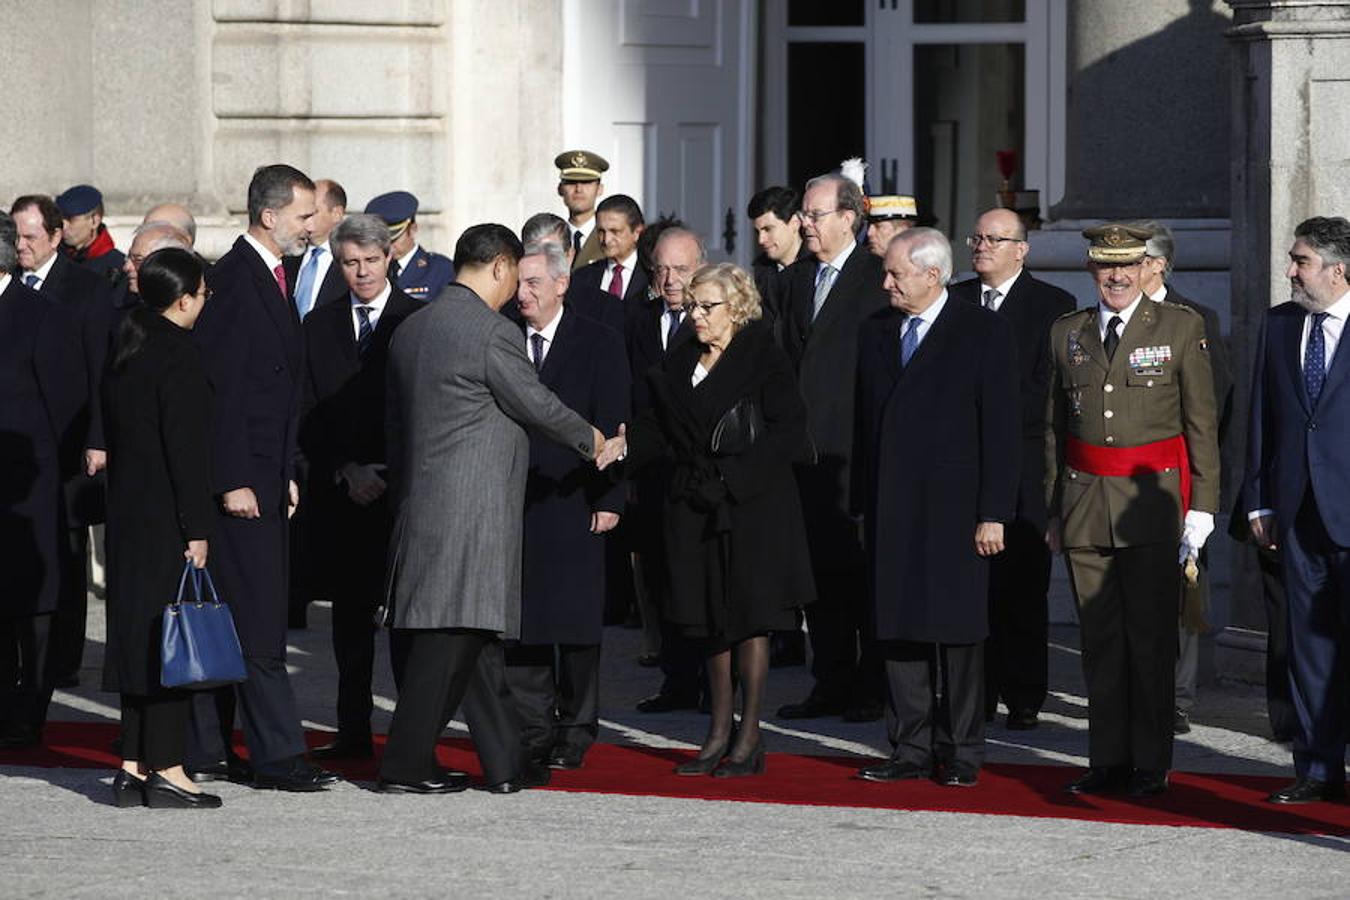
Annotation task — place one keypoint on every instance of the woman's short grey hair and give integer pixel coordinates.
(363, 230)
(736, 286)
(555, 257)
(928, 249)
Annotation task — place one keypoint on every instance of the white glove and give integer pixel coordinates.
(1194, 532)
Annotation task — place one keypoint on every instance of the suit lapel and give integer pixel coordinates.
(843, 284)
(564, 343)
(931, 346)
(281, 310)
(344, 333)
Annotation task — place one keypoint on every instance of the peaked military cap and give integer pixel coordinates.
(397, 208)
(80, 199)
(1117, 243)
(580, 165)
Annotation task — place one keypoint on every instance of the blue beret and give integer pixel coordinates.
(80, 199)
(395, 207)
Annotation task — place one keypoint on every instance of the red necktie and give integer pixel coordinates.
(616, 283)
(280, 273)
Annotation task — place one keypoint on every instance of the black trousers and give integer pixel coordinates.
(1127, 607)
(72, 607)
(267, 710)
(438, 670)
(28, 673)
(844, 660)
(556, 688)
(1279, 701)
(154, 728)
(935, 712)
(354, 651)
(1016, 663)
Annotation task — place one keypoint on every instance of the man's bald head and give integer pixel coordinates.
(149, 237)
(998, 247)
(177, 215)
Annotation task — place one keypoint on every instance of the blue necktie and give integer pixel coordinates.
(824, 281)
(909, 341)
(31, 280)
(363, 330)
(305, 286)
(673, 326)
(1315, 359)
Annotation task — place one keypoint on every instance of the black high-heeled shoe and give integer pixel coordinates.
(706, 762)
(161, 793)
(127, 789)
(753, 764)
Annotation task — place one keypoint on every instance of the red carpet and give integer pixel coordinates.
(1208, 801)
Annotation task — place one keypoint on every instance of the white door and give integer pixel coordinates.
(662, 89)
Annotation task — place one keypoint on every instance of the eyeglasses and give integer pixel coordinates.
(705, 308)
(817, 214)
(992, 240)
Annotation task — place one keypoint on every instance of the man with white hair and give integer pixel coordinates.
(935, 501)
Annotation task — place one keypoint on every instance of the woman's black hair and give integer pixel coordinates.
(162, 278)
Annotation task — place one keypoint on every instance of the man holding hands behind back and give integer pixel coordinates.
(461, 394)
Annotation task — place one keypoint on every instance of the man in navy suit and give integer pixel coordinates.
(251, 343)
(554, 671)
(342, 436)
(420, 273)
(936, 499)
(1298, 491)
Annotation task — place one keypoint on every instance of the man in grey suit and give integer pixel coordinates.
(461, 393)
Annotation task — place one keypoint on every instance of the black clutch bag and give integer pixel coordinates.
(738, 429)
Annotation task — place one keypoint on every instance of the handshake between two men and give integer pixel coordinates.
(606, 452)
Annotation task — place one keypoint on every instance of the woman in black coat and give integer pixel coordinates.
(156, 413)
(735, 541)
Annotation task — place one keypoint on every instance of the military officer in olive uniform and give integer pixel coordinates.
(580, 187)
(419, 273)
(1132, 484)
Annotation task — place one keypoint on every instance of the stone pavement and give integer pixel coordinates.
(60, 839)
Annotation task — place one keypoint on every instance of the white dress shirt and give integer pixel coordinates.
(1159, 295)
(1002, 289)
(406, 259)
(583, 230)
(1104, 314)
(926, 320)
(698, 374)
(664, 326)
(376, 307)
(548, 331)
(5, 279)
(838, 262)
(41, 272)
(626, 275)
(270, 259)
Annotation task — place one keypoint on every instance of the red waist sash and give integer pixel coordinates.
(1169, 453)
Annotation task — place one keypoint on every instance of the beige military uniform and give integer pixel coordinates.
(590, 251)
(1121, 533)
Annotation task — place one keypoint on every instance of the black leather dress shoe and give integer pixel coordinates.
(1308, 790)
(813, 707)
(565, 758)
(894, 770)
(959, 776)
(863, 711)
(447, 783)
(127, 789)
(659, 703)
(1100, 780)
(234, 769)
(295, 774)
(531, 776)
(1181, 722)
(1147, 783)
(160, 793)
(1022, 719)
(343, 749)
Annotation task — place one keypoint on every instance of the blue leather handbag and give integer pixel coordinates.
(199, 647)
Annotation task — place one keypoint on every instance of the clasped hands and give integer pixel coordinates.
(610, 450)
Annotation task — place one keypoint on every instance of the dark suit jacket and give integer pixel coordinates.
(938, 453)
(42, 394)
(563, 586)
(251, 343)
(1219, 362)
(342, 421)
(642, 333)
(1030, 307)
(825, 355)
(772, 282)
(593, 277)
(88, 299)
(1292, 445)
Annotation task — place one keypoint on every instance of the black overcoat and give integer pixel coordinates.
(563, 586)
(938, 452)
(824, 353)
(342, 421)
(158, 426)
(42, 394)
(1030, 308)
(250, 339)
(758, 525)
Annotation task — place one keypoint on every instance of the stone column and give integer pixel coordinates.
(1290, 154)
